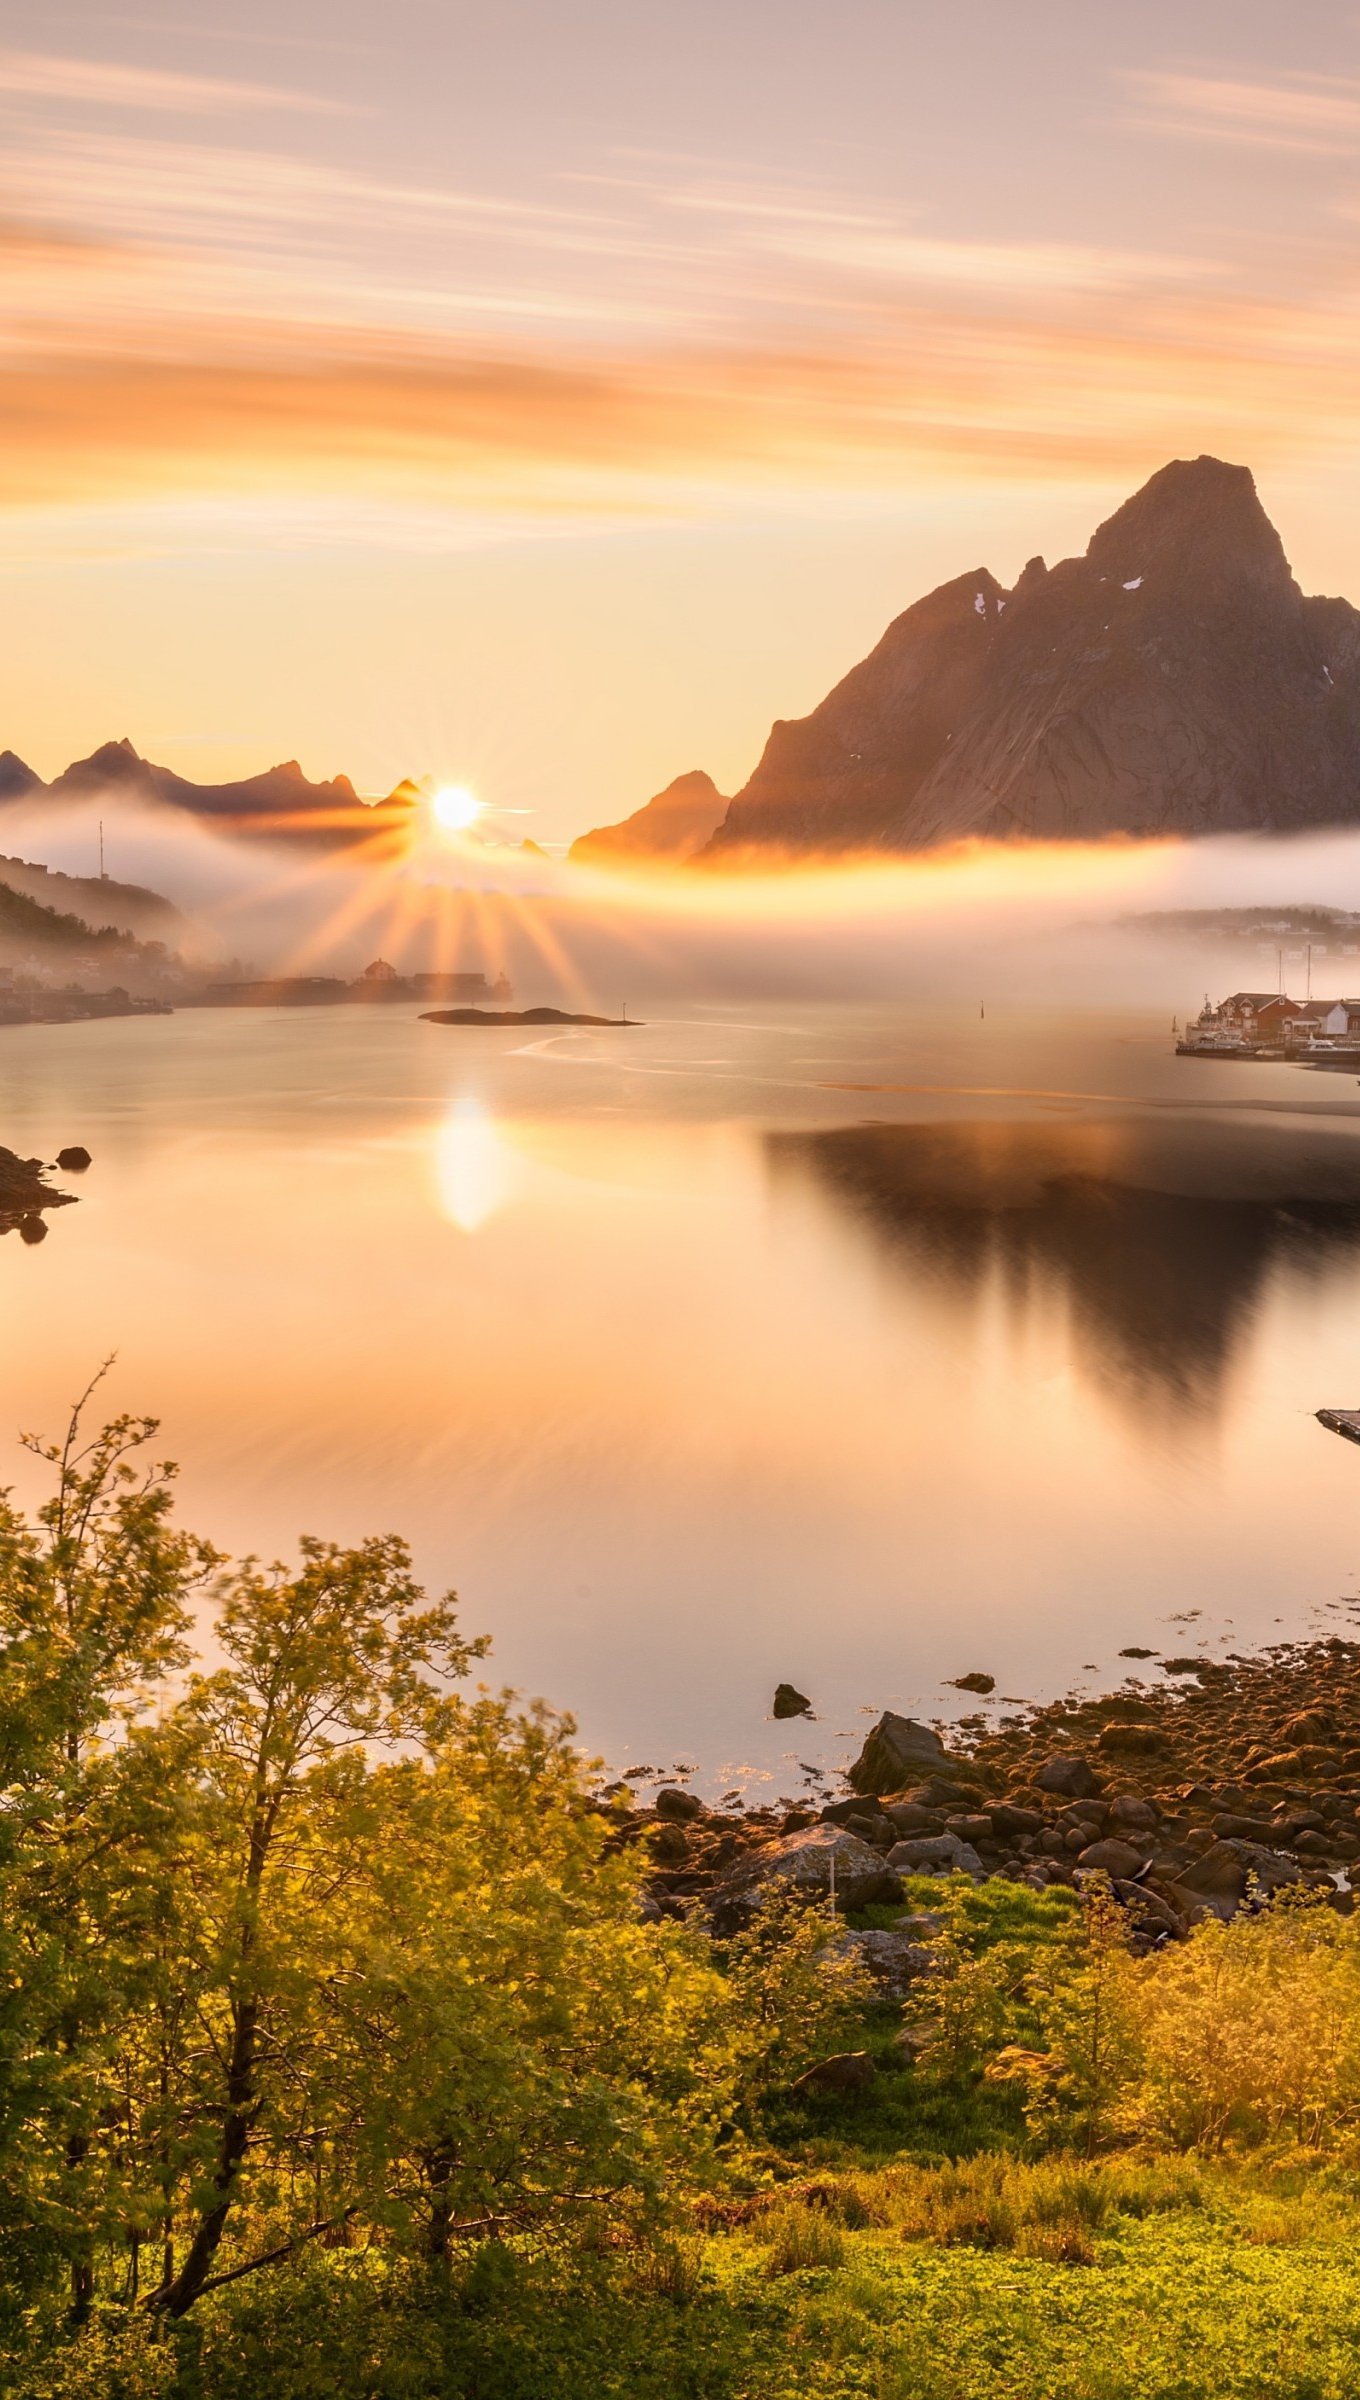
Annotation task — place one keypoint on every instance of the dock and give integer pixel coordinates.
(1345, 1421)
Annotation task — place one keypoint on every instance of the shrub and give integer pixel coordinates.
(800, 2237)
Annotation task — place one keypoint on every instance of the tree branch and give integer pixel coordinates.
(267, 2258)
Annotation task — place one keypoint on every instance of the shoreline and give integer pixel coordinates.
(1195, 1795)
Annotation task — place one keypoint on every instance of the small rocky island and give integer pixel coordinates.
(515, 1016)
(24, 1195)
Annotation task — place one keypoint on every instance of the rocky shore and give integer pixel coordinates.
(1194, 1796)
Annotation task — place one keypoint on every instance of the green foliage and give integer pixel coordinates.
(794, 1989)
(1251, 2031)
(800, 2238)
(337, 2061)
(312, 1947)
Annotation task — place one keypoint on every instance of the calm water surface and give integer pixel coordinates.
(856, 1347)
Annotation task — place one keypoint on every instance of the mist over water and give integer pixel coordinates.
(1025, 924)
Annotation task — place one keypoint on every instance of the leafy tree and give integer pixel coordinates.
(94, 1600)
(321, 1667)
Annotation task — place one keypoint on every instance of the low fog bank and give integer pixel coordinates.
(1037, 923)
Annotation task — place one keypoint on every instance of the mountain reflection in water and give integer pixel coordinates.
(1158, 1235)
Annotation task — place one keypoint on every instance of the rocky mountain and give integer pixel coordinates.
(1174, 680)
(280, 802)
(16, 778)
(668, 828)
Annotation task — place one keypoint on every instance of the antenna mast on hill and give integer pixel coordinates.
(102, 876)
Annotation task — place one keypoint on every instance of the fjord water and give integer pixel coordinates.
(859, 1347)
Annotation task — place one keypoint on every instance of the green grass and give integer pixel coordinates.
(1177, 2287)
(913, 2241)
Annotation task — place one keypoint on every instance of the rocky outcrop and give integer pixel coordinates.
(669, 828)
(24, 1194)
(897, 1750)
(815, 1864)
(1174, 680)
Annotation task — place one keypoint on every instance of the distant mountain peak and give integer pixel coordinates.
(667, 829)
(16, 776)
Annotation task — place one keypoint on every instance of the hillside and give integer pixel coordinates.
(33, 934)
(1173, 680)
(97, 900)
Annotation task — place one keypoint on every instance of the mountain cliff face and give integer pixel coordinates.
(1174, 680)
(672, 826)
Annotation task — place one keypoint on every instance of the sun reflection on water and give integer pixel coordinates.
(473, 1166)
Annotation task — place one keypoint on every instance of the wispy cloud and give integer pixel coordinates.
(101, 83)
(1319, 113)
(997, 266)
(453, 427)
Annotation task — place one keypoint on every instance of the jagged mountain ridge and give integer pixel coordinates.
(281, 800)
(1174, 680)
(671, 826)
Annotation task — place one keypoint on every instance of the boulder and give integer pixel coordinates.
(1130, 1741)
(892, 1957)
(935, 1854)
(975, 1681)
(790, 1702)
(680, 1807)
(1151, 1912)
(863, 1817)
(1293, 1766)
(970, 1829)
(906, 1816)
(1225, 1874)
(73, 1161)
(1311, 1725)
(1008, 1818)
(1130, 1811)
(898, 1749)
(848, 2071)
(669, 1844)
(804, 1863)
(1117, 1859)
(1219, 1872)
(1070, 1776)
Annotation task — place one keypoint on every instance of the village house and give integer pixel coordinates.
(1255, 1016)
(1341, 1021)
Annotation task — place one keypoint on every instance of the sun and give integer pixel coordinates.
(455, 808)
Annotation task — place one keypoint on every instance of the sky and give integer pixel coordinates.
(546, 395)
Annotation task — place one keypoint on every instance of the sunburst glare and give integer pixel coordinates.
(454, 808)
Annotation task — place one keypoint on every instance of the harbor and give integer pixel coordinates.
(1271, 1026)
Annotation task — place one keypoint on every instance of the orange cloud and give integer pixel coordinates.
(1008, 392)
